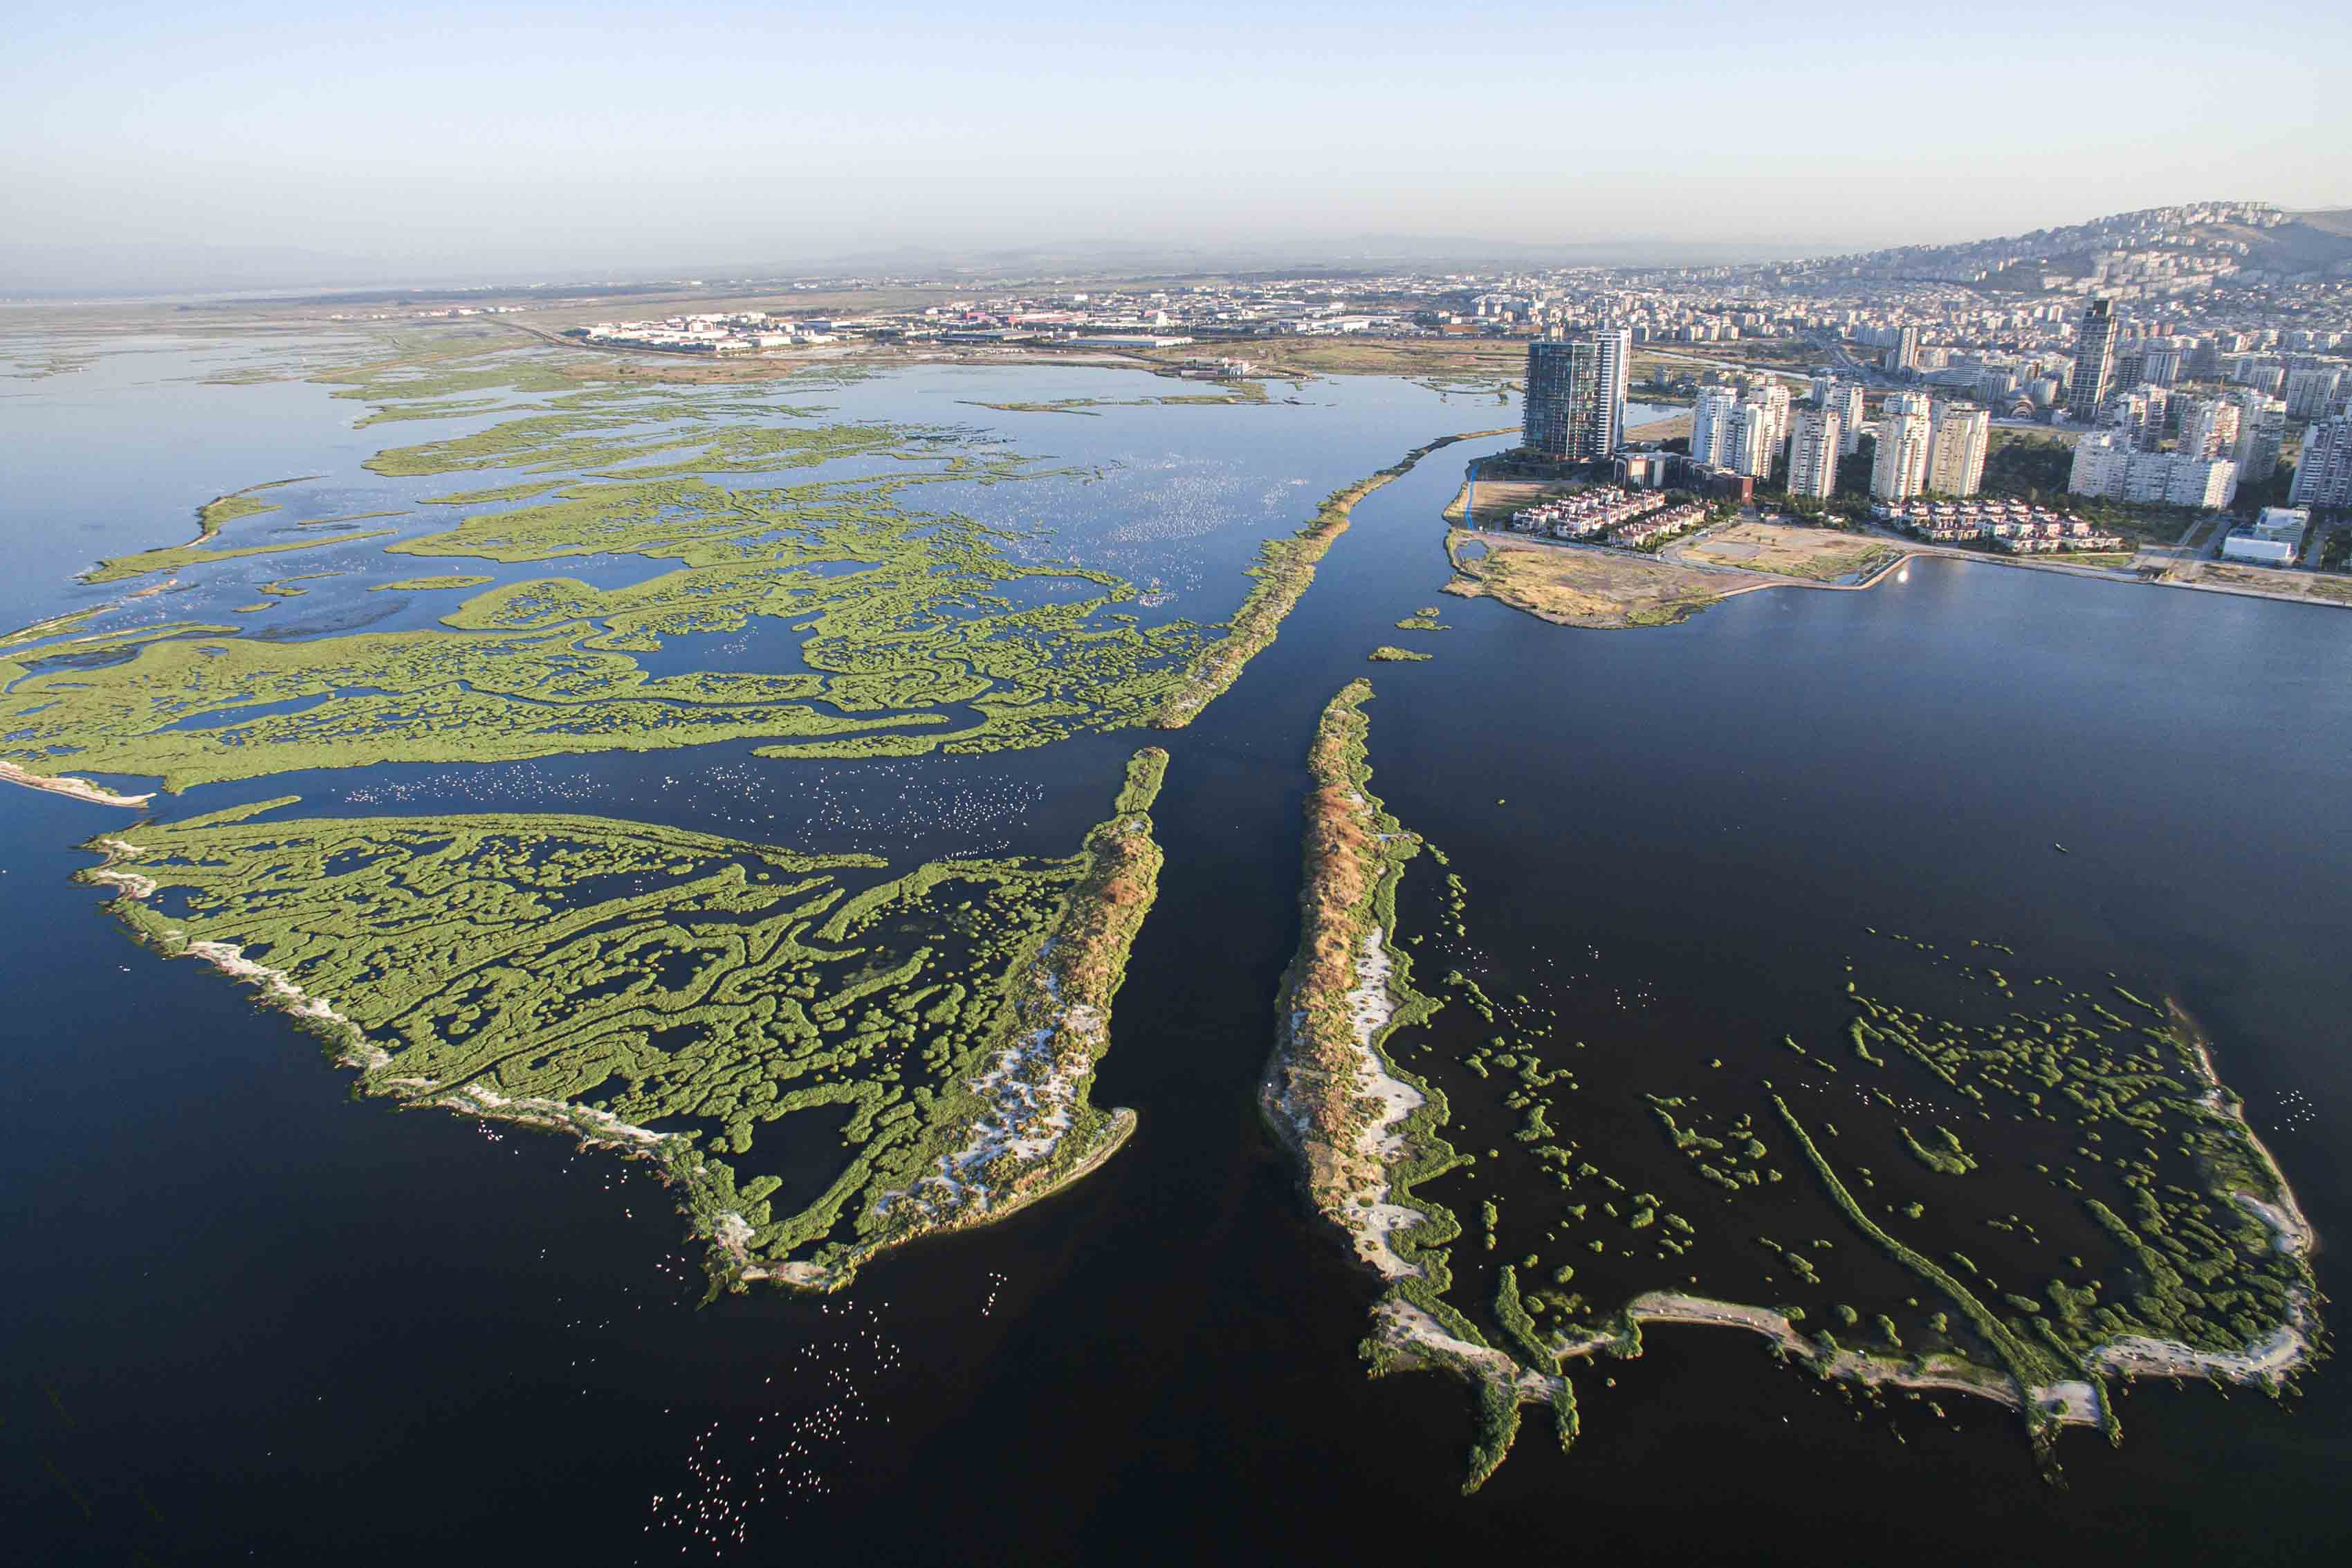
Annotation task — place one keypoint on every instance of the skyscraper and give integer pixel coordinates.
(2323, 476)
(1900, 468)
(1576, 396)
(1957, 436)
(1904, 354)
(1845, 398)
(2095, 363)
(2261, 430)
(1813, 452)
(1712, 418)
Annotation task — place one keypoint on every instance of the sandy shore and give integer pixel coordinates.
(64, 784)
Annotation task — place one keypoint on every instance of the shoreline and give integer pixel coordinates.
(68, 785)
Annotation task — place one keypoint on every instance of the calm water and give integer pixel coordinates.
(250, 1320)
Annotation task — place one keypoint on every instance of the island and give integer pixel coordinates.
(718, 1007)
(2065, 1190)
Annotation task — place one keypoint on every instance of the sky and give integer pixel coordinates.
(260, 138)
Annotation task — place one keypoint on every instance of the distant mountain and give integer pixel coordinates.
(2159, 249)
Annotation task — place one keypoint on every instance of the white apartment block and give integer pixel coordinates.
(1959, 436)
(2108, 466)
(1712, 418)
(1900, 470)
(2323, 476)
(1813, 445)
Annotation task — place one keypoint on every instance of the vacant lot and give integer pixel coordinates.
(1818, 555)
(1576, 585)
(1499, 498)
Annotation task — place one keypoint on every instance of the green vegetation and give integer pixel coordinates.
(711, 1004)
(1384, 654)
(426, 584)
(2183, 1254)
(917, 647)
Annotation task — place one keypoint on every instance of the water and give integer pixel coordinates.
(252, 1319)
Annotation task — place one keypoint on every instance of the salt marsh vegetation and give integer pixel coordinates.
(825, 1059)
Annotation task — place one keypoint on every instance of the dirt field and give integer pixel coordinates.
(1666, 429)
(1576, 586)
(1818, 555)
(2324, 587)
(1499, 498)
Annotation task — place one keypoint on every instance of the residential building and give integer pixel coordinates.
(2262, 431)
(2140, 415)
(1900, 468)
(2209, 428)
(1845, 402)
(2310, 392)
(1576, 396)
(2094, 362)
(1713, 416)
(1903, 355)
(2324, 476)
(1813, 452)
(2108, 466)
(1959, 436)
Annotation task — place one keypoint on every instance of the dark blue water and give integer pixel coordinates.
(251, 1319)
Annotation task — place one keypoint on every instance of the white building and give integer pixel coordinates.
(2107, 465)
(1712, 418)
(1900, 470)
(1813, 452)
(2275, 538)
(2323, 476)
(1958, 434)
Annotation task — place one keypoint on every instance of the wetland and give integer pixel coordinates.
(755, 780)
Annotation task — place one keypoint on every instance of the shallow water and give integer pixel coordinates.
(253, 1319)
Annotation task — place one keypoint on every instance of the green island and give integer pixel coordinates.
(1386, 654)
(1285, 570)
(720, 1007)
(2165, 1242)
(1235, 395)
(428, 584)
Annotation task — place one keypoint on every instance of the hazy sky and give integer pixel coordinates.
(585, 136)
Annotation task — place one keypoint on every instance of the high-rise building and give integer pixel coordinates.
(1903, 354)
(2094, 362)
(1900, 468)
(1958, 434)
(2209, 428)
(2309, 392)
(2107, 464)
(2323, 477)
(1813, 452)
(1846, 400)
(1754, 437)
(1713, 416)
(1576, 396)
(2140, 415)
(2159, 366)
(2262, 431)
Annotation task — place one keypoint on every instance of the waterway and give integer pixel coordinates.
(252, 1319)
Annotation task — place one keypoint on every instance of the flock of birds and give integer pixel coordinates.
(786, 1454)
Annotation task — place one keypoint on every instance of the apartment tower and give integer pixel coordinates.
(2095, 363)
(1576, 396)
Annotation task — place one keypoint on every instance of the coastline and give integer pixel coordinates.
(66, 784)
